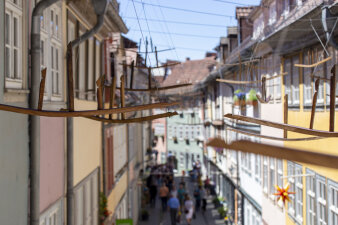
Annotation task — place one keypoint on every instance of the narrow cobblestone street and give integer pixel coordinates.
(157, 217)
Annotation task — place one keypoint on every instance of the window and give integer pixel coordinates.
(333, 202)
(272, 13)
(321, 201)
(13, 44)
(307, 78)
(292, 81)
(265, 174)
(291, 204)
(54, 22)
(55, 69)
(91, 73)
(272, 175)
(258, 26)
(299, 194)
(109, 170)
(311, 199)
(258, 168)
(86, 200)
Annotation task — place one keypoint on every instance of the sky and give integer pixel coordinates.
(170, 28)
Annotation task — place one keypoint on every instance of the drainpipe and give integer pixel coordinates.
(35, 120)
(100, 7)
(326, 14)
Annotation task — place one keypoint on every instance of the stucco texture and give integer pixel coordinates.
(14, 168)
(51, 160)
(87, 143)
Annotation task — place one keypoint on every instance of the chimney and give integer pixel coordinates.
(187, 59)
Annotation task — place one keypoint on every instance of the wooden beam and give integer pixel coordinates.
(149, 78)
(70, 77)
(156, 56)
(250, 82)
(122, 95)
(112, 94)
(315, 64)
(314, 104)
(273, 138)
(303, 156)
(154, 67)
(132, 74)
(332, 97)
(133, 120)
(42, 88)
(99, 91)
(66, 113)
(287, 127)
(157, 88)
(286, 111)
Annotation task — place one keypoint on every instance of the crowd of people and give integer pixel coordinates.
(161, 183)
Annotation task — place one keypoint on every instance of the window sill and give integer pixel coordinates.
(16, 95)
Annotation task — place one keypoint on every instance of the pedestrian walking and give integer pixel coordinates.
(204, 199)
(164, 191)
(197, 195)
(174, 206)
(181, 194)
(189, 209)
(153, 192)
(174, 191)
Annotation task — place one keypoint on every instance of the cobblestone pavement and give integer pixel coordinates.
(157, 217)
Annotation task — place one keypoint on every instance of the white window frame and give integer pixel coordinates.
(292, 203)
(299, 194)
(258, 169)
(265, 174)
(14, 11)
(321, 200)
(272, 177)
(310, 196)
(333, 201)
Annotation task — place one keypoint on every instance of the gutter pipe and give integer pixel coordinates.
(34, 127)
(326, 14)
(100, 7)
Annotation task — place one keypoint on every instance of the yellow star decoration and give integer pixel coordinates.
(283, 193)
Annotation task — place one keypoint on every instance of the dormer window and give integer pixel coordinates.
(272, 13)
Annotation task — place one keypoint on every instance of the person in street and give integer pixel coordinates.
(204, 200)
(207, 184)
(197, 195)
(164, 191)
(173, 191)
(174, 206)
(189, 209)
(153, 193)
(182, 182)
(181, 194)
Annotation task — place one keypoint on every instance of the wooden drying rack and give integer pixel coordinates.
(297, 155)
(91, 114)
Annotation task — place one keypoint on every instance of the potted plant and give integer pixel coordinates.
(216, 202)
(252, 98)
(222, 212)
(103, 210)
(144, 215)
(239, 97)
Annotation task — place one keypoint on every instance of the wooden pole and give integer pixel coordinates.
(286, 111)
(70, 77)
(314, 103)
(156, 56)
(264, 88)
(332, 97)
(149, 78)
(99, 84)
(112, 95)
(42, 88)
(146, 55)
(122, 96)
(132, 74)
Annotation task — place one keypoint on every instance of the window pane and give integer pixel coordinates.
(7, 62)
(16, 63)
(7, 29)
(15, 32)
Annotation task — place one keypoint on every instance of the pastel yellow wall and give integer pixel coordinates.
(117, 193)
(87, 142)
(301, 118)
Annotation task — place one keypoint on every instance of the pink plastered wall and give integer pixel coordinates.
(52, 152)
